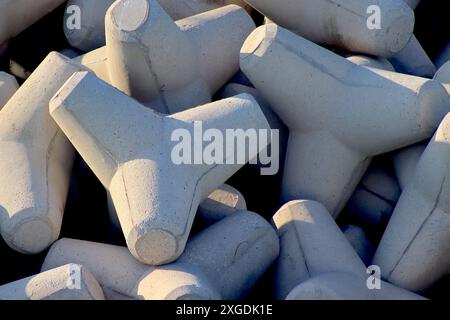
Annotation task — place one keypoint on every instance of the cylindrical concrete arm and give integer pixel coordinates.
(218, 36)
(68, 282)
(311, 243)
(345, 23)
(420, 224)
(35, 160)
(234, 252)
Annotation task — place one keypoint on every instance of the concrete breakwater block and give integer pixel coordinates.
(90, 33)
(134, 162)
(67, 282)
(335, 132)
(414, 251)
(35, 160)
(194, 59)
(344, 24)
(222, 262)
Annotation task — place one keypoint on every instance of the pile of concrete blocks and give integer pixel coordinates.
(99, 199)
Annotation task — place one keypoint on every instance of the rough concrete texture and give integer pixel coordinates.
(332, 137)
(17, 15)
(91, 34)
(339, 23)
(311, 243)
(8, 86)
(414, 250)
(405, 162)
(36, 160)
(199, 54)
(222, 262)
(221, 203)
(375, 198)
(68, 282)
(412, 59)
(135, 162)
(359, 241)
(347, 286)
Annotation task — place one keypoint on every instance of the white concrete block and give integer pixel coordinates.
(340, 115)
(343, 23)
(221, 203)
(67, 282)
(196, 57)
(311, 243)
(36, 160)
(346, 286)
(414, 251)
(17, 15)
(91, 34)
(222, 262)
(8, 86)
(156, 199)
(405, 161)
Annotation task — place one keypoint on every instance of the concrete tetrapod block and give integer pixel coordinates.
(339, 114)
(311, 243)
(414, 250)
(375, 197)
(155, 198)
(344, 23)
(17, 15)
(359, 241)
(221, 203)
(68, 282)
(35, 160)
(222, 262)
(405, 162)
(8, 86)
(346, 286)
(91, 33)
(413, 59)
(196, 55)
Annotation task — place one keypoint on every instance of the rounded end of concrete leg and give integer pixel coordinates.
(399, 31)
(434, 104)
(256, 44)
(129, 15)
(155, 247)
(32, 236)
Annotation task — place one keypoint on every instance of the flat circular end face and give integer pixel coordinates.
(129, 15)
(253, 42)
(32, 236)
(156, 247)
(398, 34)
